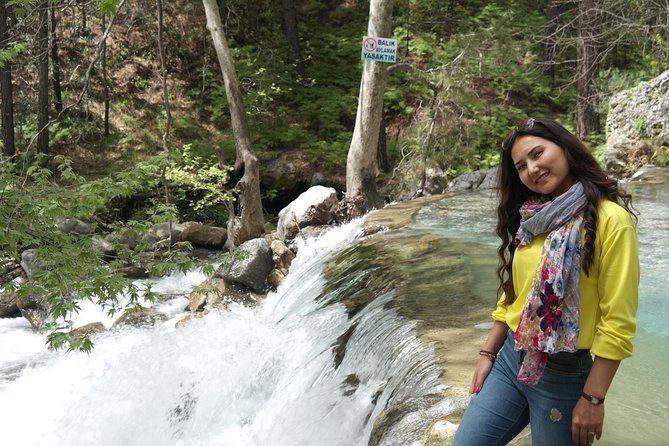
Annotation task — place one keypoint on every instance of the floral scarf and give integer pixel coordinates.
(549, 322)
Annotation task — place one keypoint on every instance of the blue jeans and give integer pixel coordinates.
(505, 406)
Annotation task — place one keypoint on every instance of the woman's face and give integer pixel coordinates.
(541, 165)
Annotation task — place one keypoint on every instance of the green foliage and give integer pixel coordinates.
(108, 7)
(70, 270)
(203, 179)
(661, 157)
(11, 52)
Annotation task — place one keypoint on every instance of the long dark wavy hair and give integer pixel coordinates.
(513, 193)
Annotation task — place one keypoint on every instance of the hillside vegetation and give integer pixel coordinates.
(467, 72)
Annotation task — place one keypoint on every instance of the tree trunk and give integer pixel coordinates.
(105, 82)
(163, 74)
(550, 39)
(587, 119)
(57, 90)
(6, 87)
(382, 147)
(84, 26)
(361, 169)
(42, 49)
(249, 221)
(290, 29)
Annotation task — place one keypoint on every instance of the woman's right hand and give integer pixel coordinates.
(483, 368)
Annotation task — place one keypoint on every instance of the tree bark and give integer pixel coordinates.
(382, 147)
(249, 221)
(42, 49)
(550, 39)
(6, 97)
(361, 164)
(587, 67)
(292, 36)
(57, 90)
(163, 74)
(105, 82)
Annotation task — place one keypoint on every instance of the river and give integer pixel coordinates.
(336, 356)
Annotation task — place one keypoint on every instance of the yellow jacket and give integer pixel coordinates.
(609, 295)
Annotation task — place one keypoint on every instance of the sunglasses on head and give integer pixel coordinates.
(524, 126)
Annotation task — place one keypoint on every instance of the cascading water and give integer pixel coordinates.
(301, 368)
(337, 356)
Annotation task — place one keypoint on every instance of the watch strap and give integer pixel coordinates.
(592, 399)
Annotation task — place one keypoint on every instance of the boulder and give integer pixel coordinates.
(88, 329)
(127, 236)
(34, 309)
(134, 272)
(282, 256)
(436, 181)
(10, 269)
(31, 263)
(315, 206)
(275, 278)
(637, 123)
(143, 318)
(188, 318)
(490, 180)
(204, 236)
(158, 235)
(467, 181)
(210, 292)
(73, 226)
(8, 304)
(103, 248)
(253, 269)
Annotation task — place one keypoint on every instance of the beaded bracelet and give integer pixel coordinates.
(489, 355)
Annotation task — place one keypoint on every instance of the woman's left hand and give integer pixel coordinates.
(587, 421)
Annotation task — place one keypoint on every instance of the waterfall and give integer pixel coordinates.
(304, 367)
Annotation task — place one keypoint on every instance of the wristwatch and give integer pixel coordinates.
(592, 399)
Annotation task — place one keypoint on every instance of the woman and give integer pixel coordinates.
(569, 275)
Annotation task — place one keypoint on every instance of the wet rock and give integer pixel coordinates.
(134, 272)
(210, 292)
(187, 319)
(282, 256)
(275, 278)
(252, 271)
(350, 384)
(73, 226)
(315, 206)
(651, 174)
(204, 236)
(9, 304)
(144, 318)
(350, 208)
(443, 430)
(35, 310)
(88, 329)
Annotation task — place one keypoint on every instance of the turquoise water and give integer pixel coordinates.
(637, 405)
